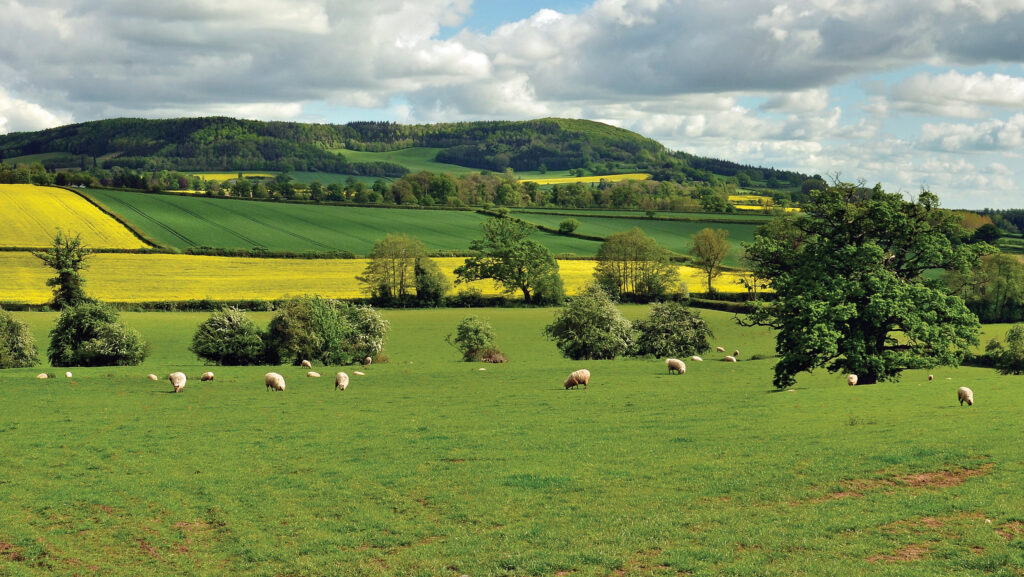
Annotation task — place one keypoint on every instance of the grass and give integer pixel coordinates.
(32, 215)
(177, 277)
(545, 180)
(428, 466)
(416, 159)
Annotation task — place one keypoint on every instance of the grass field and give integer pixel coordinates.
(32, 215)
(416, 159)
(427, 466)
(176, 277)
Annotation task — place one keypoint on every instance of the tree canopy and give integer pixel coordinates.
(633, 266)
(851, 293)
(67, 256)
(710, 247)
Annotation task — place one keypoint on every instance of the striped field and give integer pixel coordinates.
(174, 278)
(32, 215)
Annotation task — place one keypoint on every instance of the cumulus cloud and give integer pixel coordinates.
(956, 94)
(18, 115)
(994, 134)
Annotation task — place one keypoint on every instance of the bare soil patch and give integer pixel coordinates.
(913, 552)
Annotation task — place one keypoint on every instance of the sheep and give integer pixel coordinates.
(360, 373)
(68, 374)
(177, 381)
(274, 381)
(720, 349)
(931, 377)
(313, 375)
(152, 377)
(851, 379)
(675, 365)
(341, 381)
(207, 376)
(306, 364)
(696, 358)
(577, 378)
(965, 394)
(42, 376)
(736, 353)
(367, 361)
(729, 359)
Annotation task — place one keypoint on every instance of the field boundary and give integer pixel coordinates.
(138, 233)
(642, 216)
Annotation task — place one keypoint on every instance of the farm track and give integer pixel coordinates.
(160, 224)
(290, 233)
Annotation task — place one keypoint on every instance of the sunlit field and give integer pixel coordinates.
(589, 179)
(32, 214)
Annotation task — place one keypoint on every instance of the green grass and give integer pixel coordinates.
(701, 216)
(30, 158)
(416, 159)
(326, 178)
(428, 466)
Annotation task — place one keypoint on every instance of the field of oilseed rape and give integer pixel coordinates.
(590, 179)
(132, 278)
(32, 215)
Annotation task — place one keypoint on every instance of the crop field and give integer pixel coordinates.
(178, 277)
(416, 159)
(32, 215)
(588, 179)
(184, 221)
(222, 176)
(701, 216)
(428, 466)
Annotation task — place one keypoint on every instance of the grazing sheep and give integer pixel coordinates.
(360, 373)
(367, 361)
(68, 374)
(965, 394)
(931, 377)
(340, 381)
(729, 359)
(720, 349)
(675, 365)
(851, 379)
(177, 381)
(152, 377)
(42, 376)
(313, 375)
(577, 378)
(306, 364)
(696, 358)
(207, 376)
(274, 381)
(736, 353)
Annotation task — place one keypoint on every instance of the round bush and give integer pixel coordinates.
(474, 337)
(672, 329)
(331, 332)
(17, 347)
(228, 337)
(91, 335)
(590, 327)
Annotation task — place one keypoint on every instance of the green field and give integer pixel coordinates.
(416, 159)
(428, 466)
(724, 218)
(30, 158)
(186, 221)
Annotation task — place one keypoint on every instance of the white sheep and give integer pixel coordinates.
(367, 361)
(68, 374)
(274, 381)
(965, 395)
(313, 375)
(152, 377)
(931, 377)
(577, 378)
(42, 376)
(696, 358)
(720, 349)
(177, 381)
(341, 381)
(736, 353)
(207, 376)
(306, 364)
(675, 365)
(360, 373)
(729, 359)
(851, 379)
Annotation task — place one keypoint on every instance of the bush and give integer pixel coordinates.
(1008, 360)
(331, 332)
(474, 337)
(17, 347)
(228, 337)
(672, 330)
(91, 335)
(568, 226)
(590, 327)
(431, 284)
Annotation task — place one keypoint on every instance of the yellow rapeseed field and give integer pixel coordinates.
(753, 207)
(608, 177)
(173, 277)
(33, 213)
(231, 175)
(749, 199)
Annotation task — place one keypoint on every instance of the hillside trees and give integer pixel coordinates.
(1008, 359)
(994, 290)
(17, 346)
(632, 266)
(67, 256)
(851, 294)
(514, 261)
(710, 247)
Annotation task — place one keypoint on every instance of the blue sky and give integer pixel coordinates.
(910, 94)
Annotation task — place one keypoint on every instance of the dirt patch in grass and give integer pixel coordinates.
(148, 549)
(943, 479)
(10, 552)
(907, 553)
(1010, 530)
(641, 563)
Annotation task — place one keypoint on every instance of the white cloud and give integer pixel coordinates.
(959, 95)
(993, 134)
(18, 115)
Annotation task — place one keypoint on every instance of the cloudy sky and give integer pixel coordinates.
(909, 93)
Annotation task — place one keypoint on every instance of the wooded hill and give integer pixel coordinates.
(228, 144)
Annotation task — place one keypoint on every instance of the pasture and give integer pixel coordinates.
(416, 159)
(32, 215)
(180, 277)
(429, 466)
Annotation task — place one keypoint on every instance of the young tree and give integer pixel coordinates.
(67, 256)
(515, 262)
(474, 337)
(431, 284)
(851, 294)
(672, 329)
(1009, 360)
(710, 248)
(590, 327)
(390, 274)
(632, 265)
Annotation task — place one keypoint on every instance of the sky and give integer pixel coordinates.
(911, 94)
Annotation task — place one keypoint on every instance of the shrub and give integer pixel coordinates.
(1008, 360)
(431, 284)
(17, 347)
(228, 337)
(672, 329)
(590, 327)
(91, 335)
(568, 225)
(331, 332)
(474, 337)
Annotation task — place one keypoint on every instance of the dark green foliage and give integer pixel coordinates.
(987, 232)
(993, 290)
(515, 262)
(568, 225)
(591, 327)
(851, 295)
(1008, 359)
(17, 346)
(91, 335)
(327, 331)
(671, 330)
(474, 337)
(67, 256)
(431, 283)
(632, 266)
(228, 337)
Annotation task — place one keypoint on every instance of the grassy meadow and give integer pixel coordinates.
(416, 159)
(33, 214)
(429, 466)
